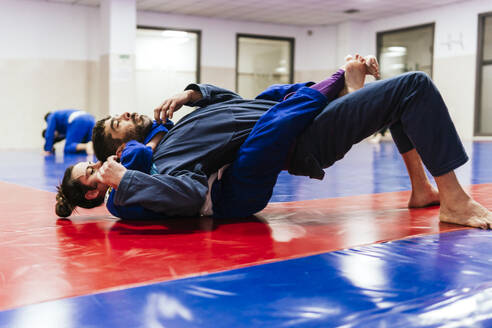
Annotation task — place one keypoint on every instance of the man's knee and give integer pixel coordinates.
(414, 82)
(418, 77)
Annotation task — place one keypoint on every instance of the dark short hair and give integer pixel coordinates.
(71, 193)
(104, 144)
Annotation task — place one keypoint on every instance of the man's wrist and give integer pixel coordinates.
(189, 95)
(193, 95)
(118, 179)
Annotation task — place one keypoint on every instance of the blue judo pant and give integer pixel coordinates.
(246, 186)
(410, 104)
(79, 131)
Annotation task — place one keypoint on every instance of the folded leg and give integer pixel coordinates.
(246, 186)
(410, 99)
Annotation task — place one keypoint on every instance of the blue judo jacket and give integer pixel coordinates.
(135, 156)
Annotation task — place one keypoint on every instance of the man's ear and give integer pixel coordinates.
(92, 194)
(120, 150)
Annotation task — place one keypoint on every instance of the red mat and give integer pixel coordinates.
(45, 258)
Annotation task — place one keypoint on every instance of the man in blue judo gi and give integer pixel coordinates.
(80, 188)
(299, 133)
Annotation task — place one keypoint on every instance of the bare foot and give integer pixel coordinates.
(372, 66)
(355, 71)
(467, 212)
(356, 67)
(424, 198)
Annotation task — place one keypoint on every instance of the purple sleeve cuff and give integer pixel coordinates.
(332, 86)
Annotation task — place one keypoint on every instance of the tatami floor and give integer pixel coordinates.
(342, 252)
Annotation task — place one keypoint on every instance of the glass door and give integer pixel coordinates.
(166, 62)
(404, 50)
(483, 112)
(261, 62)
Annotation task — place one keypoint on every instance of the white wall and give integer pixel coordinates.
(47, 52)
(46, 30)
(350, 39)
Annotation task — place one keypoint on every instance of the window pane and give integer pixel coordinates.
(261, 63)
(485, 124)
(406, 50)
(487, 38)
(484, 112)
(166, 61)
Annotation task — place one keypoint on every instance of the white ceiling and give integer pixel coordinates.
(292, 12)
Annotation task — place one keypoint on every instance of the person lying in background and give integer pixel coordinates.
(75, 126)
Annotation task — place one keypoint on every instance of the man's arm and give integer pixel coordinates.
(200, 95)
(277, 92)
(135, 212)
(169, 106)
(211, 94)
(49, 135)
(181, 194)
(134, 155)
